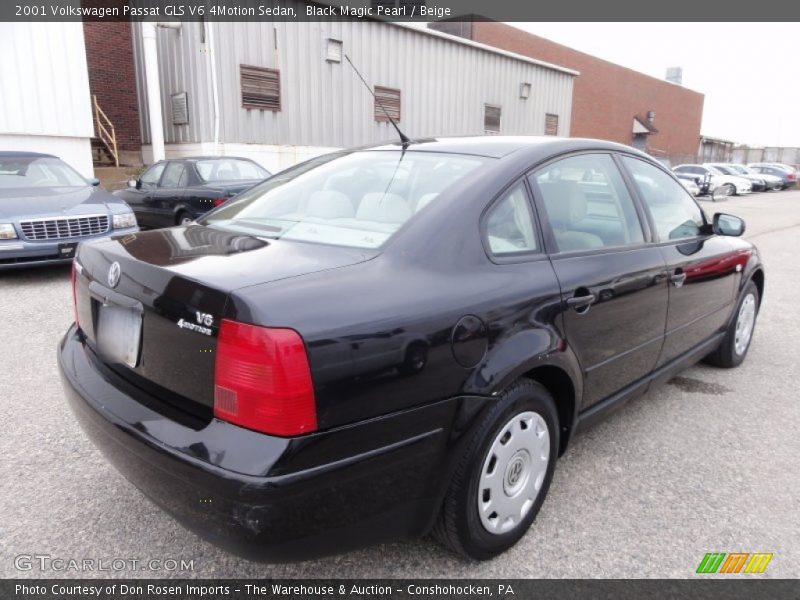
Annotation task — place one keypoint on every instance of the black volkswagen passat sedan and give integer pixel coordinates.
(381, 343)
(177, 191)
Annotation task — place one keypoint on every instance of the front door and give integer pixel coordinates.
(701, 268)
(612, 281)
(140, 198)
(169, 194)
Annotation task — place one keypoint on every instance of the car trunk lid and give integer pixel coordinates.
(172, 287)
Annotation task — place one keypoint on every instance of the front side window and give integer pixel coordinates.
(153, 174)
(674, 211)
(509, 224)
(587, 203)
(358, 199)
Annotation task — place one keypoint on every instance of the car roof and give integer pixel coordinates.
(498, 146)
(10, 153)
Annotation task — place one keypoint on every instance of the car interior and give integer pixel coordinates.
(587, 204)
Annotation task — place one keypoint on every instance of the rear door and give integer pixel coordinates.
(701, 268)
(612, 280)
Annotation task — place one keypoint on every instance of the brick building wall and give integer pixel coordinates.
(606, 96)
(109, 55)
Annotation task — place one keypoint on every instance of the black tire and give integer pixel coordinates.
(459, 526)
(726, 355)
(182, 214)
(416, 358)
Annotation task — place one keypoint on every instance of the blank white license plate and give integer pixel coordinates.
(119, 333)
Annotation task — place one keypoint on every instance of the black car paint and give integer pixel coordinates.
(387, 443)
(161, 206)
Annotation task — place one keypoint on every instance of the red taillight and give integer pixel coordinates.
(790, 176)
(75, 294)
(217, 201)
(262, 380)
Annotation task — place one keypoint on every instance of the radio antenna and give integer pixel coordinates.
(403, 138)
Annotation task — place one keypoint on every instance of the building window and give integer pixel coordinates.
(261, 88)
(334, 51)
(389, 99)
(491, 118)
(551, 124)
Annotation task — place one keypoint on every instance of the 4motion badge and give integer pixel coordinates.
(203, 325)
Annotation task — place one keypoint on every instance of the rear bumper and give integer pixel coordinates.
(20, 253)
(264, 497)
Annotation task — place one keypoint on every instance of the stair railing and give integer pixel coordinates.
(105, 131)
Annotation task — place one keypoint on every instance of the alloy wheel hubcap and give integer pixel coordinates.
(513, 472)
(744, 324)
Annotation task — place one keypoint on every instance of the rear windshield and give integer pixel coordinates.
(359, 199)
(229, 169)
(33, 172)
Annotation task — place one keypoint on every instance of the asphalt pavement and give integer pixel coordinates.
(706, 463)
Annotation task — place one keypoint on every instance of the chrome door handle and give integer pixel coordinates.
(581, 302)
(678, 278)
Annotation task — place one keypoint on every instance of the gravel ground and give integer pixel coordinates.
(708, 462)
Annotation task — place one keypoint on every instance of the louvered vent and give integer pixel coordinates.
(180, 109)
(390, 99)
(491, 118)
(551, 124)
(261, 88)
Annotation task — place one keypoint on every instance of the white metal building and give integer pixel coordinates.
(44, 92)
(281, 92)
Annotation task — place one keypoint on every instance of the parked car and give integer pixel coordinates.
(689, 183)
(727, 184)
(216, 363)
(174, 192)
(772, 182)
(757, 182)
(47, 208)
(787, 173)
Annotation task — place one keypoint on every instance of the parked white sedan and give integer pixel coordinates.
(719, 181)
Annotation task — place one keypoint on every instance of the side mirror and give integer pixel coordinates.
(725, 224)
(134, 183)
(94, 181)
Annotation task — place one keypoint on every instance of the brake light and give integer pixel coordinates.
(262, 380)
(74, 278)
(790, 176)
(217, 201)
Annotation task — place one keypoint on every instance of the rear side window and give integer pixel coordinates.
(674, 211)
(587, 203)
(172, 175)
(509, 224)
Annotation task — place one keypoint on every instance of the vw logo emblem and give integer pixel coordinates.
(114, 271)
(514, 472)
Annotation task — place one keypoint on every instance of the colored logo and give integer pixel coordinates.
(734, 562)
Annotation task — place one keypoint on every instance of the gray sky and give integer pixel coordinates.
(749, 73)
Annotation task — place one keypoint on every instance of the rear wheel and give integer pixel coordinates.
(183, 218)
(733, 349)
(502, 479)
